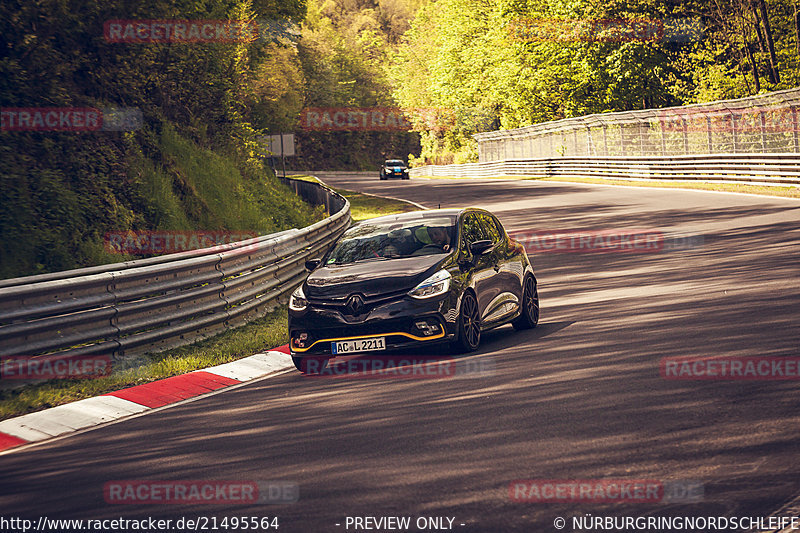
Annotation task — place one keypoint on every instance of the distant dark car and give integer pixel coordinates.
(411, 280)
(394, 168)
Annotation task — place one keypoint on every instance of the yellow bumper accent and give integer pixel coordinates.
(402, 333)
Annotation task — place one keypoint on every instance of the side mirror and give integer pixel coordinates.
(479, 247)
(311, 264)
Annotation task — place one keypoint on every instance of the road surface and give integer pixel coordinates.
(580, 397)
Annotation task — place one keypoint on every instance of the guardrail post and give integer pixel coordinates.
(733, 131)
(605, 140)
(685, 136)
(622, 145)
(708, 134)
(642, 142)
(763, 121)
(112, 288)
(574, 142)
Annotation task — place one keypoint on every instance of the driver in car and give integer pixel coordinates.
(434, 238)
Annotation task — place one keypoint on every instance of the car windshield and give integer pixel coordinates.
(393, 239)
(394, 163)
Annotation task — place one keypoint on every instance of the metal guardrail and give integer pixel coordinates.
(152, 304)
(766, 123)
(770, 169)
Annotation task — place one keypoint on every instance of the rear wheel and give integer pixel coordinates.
(310, 365)
(469, 325)
(529, 314)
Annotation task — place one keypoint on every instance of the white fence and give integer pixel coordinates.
(767, 169)
(759, 124)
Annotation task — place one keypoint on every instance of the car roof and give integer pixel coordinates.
(423, 214)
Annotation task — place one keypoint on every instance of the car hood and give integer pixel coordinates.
(372, 278)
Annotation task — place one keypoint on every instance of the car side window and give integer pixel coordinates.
(490, 229)
(472, 231)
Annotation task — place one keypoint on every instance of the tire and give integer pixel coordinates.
(469, 325)
(406, 177)
(310, 365)
(529, 314)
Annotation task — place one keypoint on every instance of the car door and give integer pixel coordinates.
(483, 271)
(503, 291)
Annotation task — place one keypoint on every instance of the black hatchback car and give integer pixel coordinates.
(394, 168)
(412, 280)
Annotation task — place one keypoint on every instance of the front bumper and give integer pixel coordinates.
(395, 175)
(312, 332)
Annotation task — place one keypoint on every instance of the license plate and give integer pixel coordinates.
(358, 345)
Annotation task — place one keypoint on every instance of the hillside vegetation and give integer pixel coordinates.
(192, 163)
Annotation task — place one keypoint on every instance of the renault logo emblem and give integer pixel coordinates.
(354, 304)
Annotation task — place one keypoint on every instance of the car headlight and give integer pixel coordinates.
(435, 285)
(388, 171)
(297, 301)
(405, 170)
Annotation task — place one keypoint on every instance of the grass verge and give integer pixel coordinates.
(261, 334)
(364, 206)
(764, 190)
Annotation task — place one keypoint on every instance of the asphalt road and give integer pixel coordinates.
(580, 397)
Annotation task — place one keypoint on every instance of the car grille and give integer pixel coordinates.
(370, 302)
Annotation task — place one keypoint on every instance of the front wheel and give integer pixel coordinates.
(469, 325)
(529, 314)
(310, 365)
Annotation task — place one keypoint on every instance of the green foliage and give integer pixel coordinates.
(344, 53)
(474, 59)
(192, 165)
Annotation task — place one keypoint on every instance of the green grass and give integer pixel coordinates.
(215, 193)
(364, 206)
(764, 190)
(55, 208)
(261, 334)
